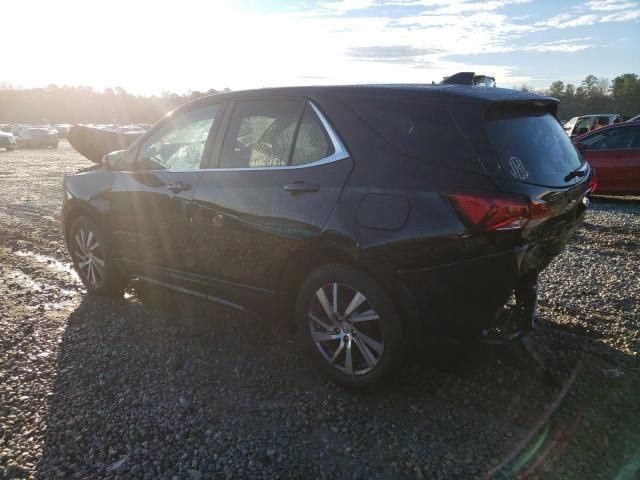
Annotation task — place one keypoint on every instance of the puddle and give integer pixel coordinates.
(20, 282)
(16, 282)
(51, 262)
(62, 305)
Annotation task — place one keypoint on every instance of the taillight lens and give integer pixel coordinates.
(488, 213)
(593, 181)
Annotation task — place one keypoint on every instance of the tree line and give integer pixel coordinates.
(84, 105)
(597, 95)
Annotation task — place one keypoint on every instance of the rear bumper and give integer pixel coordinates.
(463, 298)
(468, 297)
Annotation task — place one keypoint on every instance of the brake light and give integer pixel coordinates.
(489, 213)
(593, 181)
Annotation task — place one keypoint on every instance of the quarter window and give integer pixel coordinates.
(312, 142)
(180, 143)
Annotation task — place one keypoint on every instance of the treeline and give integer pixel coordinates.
(598, 95)
(84, 105)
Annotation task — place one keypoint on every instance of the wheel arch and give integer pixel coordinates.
(332, 249)
(74, 209)
(329, 249)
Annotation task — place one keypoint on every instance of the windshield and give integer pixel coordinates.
(569, 125)
(533, 148)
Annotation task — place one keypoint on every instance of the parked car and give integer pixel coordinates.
(37, 137)
(615, 153)
(7, 140)
(586, 123)
(63, 129)
(368, 216)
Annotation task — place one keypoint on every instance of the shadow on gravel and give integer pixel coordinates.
(157, 384)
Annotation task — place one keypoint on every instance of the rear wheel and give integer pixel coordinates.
(92, 257)
(349, 326)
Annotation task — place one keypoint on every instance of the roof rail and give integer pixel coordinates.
(469, 78)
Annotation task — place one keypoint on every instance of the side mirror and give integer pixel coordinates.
(115, 160)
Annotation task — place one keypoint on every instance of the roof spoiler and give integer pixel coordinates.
(469, 78)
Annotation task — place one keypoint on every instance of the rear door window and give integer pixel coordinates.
(531, 146)
(261, 133)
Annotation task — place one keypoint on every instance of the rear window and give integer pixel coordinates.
(532, 147)
(417, 126)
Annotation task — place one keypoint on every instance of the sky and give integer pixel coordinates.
(148, 47)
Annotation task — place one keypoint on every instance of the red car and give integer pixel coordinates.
(614, 151)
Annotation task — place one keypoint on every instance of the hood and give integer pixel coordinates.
(94, 143)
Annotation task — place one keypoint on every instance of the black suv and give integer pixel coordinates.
(363, 215)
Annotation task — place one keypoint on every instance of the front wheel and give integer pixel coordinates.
(349, 326)
(92, 257)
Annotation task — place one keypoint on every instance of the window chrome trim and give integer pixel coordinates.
(340, 152)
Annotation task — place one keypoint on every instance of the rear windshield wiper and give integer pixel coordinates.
(578, 172)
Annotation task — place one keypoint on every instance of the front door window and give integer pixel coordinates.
(180, 143)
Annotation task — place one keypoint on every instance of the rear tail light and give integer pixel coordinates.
(488, 213)
(593, 181)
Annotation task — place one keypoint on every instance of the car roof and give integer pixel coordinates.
(460, 92)
(608, 127)
(598, 115)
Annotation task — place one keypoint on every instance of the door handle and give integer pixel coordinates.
(178, 187)
(298, 188)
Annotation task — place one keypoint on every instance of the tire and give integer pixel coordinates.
(92, 254)
(367, 324)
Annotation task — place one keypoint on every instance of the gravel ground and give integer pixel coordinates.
(158, 385)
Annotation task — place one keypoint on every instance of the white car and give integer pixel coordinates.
(37, 137)
(585, 123)
(7, 140)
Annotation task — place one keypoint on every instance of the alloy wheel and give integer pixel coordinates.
(346, 329)
(90, 256)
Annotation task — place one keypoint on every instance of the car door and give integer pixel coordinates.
(151, 204)
(278, 174)
(608, 151)
(633, 160)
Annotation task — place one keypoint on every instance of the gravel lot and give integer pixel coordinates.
(158, 385)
